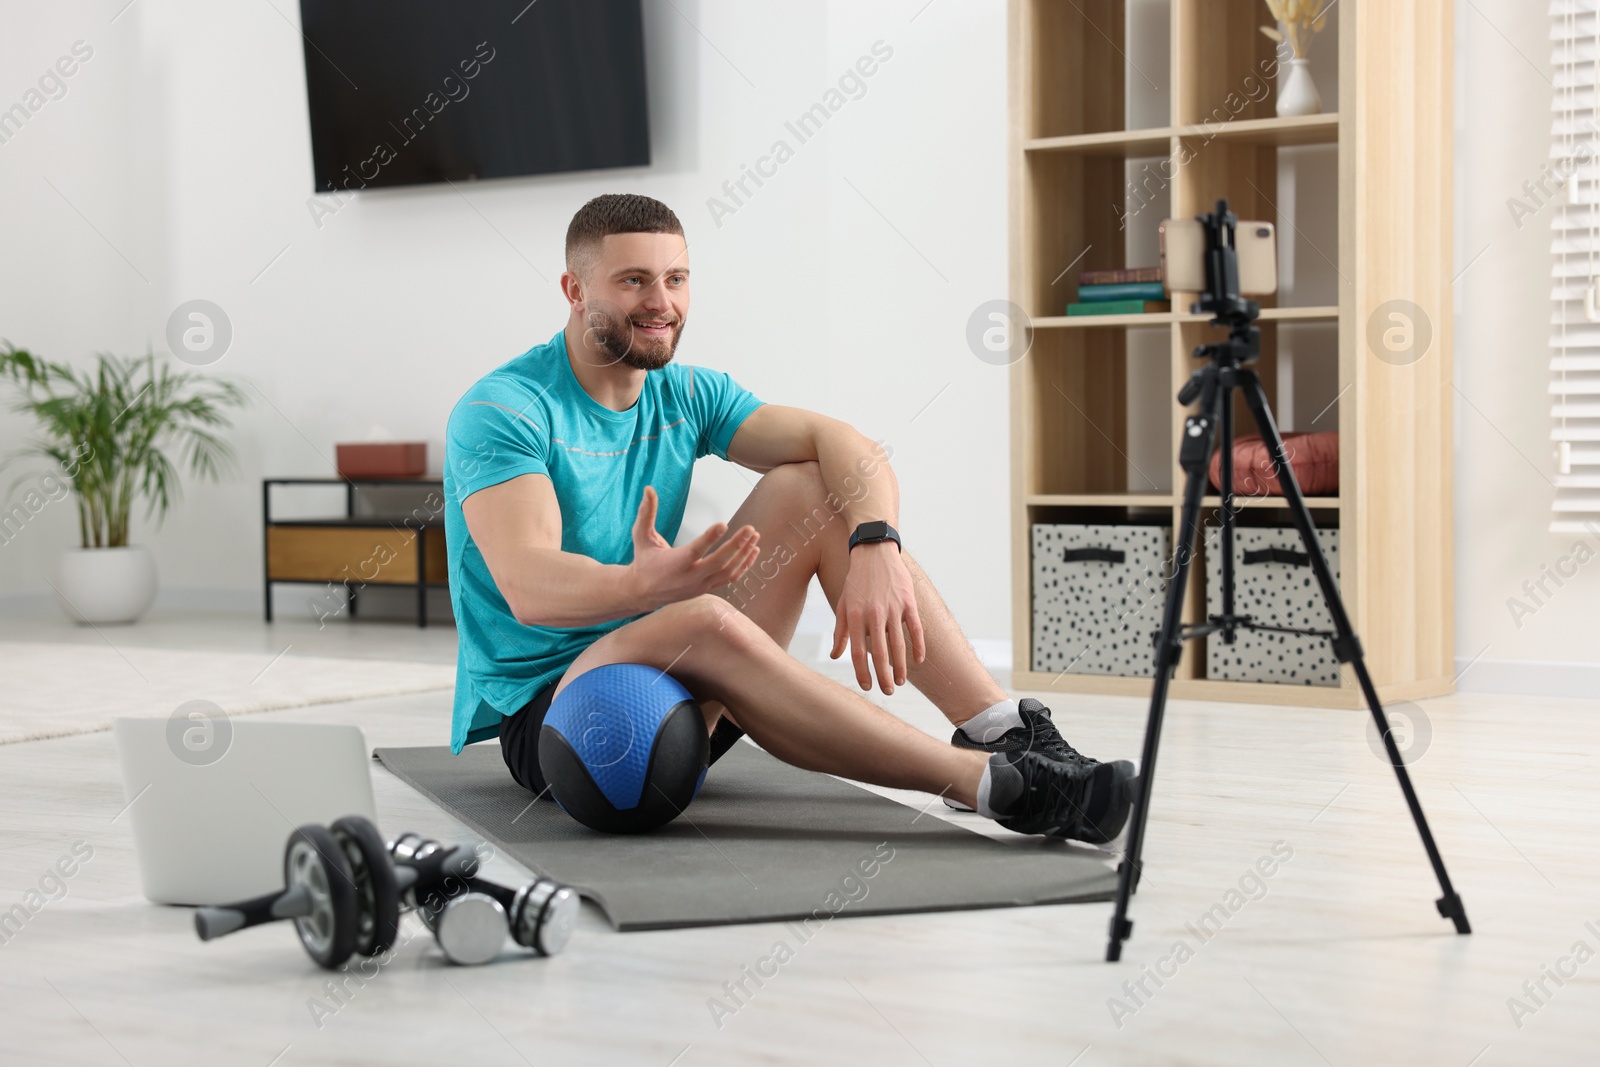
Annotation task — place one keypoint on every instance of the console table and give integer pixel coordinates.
(355, 551)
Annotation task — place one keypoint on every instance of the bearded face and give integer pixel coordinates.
(641, 339)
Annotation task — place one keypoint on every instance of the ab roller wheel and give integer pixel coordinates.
(344, 889)
(315, 863)
(378, 893)
(320, 894)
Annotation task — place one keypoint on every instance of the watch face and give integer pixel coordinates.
(874, 531)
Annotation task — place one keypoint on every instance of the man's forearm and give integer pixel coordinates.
(856, 471)
(558, 588)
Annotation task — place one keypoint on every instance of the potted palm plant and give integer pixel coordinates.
(109, 431)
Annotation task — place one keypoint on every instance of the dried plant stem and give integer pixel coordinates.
(1300, 19)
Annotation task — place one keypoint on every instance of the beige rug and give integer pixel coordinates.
(53, 690)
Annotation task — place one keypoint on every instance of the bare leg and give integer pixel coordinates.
(801, 536)
(951, 676)
(793, 712)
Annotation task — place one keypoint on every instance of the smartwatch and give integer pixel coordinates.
(871, 532)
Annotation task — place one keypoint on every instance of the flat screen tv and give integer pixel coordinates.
(404, 92)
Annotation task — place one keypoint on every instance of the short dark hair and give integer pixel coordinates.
(614, 213)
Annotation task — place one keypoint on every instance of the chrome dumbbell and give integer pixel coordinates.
(471, 916)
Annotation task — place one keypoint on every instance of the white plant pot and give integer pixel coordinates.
(1297, 93)
(105, 585)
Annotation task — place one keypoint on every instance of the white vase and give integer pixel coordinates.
(105, 585)
(1297, 93)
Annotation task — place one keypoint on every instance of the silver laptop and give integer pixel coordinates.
(213, 800)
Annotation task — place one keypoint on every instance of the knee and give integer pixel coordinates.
(802, 480)
(711, 618)
(803, 495)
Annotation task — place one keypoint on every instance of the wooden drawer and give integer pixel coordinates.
(374, 555)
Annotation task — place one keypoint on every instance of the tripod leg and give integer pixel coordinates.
(1225, 476)
(1346, 645)
(1199, 435)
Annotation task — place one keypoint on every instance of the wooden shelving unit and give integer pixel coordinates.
(1076, 393)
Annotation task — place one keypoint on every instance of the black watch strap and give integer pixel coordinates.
(872, 532)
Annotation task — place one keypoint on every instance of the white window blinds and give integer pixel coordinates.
(1574, 187)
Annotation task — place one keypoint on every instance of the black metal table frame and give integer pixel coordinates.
(422, 585)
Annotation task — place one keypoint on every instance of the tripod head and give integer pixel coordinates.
(1221, 298)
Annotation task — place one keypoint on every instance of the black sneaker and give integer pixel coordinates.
(1038, 795)
(1037, 733)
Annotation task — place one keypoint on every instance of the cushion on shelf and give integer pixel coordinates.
(1314, 458)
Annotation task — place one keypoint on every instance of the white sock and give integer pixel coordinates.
(1004, 792)
(992, 721)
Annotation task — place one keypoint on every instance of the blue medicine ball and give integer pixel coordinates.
(624, 748)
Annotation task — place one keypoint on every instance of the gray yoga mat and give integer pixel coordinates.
(763, 842)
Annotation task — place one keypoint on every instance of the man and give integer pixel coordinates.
(566, 472)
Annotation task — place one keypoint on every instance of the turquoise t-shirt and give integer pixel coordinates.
(530, 415)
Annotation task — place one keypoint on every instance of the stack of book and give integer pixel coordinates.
(1131, 291)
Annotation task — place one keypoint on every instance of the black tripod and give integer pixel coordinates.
(1213, 384)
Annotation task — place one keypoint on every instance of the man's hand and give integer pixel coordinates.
(661, 574)
(878, 599)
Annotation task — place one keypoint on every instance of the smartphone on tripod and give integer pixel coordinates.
(1183, 256)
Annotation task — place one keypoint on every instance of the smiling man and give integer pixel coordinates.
(566, 473)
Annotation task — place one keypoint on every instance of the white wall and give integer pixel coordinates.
(843, 285)
(183, 143)
(1504, 457)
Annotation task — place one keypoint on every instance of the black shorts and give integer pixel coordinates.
(519, 739)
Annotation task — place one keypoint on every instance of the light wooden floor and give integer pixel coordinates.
(1342, 960)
